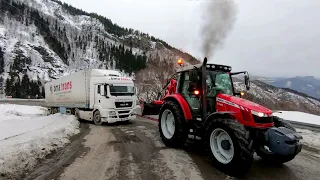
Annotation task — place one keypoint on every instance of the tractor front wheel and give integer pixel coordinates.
(230, 145)
(172, 125)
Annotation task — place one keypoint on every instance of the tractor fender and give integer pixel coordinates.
(183, 104)
(220, 114)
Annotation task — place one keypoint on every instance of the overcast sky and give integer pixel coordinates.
(269, 38)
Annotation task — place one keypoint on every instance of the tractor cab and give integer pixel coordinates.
(200, 85)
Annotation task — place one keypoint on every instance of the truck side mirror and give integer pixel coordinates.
(247, 82)
(136, 90)
(106, 90)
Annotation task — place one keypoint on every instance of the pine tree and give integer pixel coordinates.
(17, 90)
(1, 85)
(1, 61)
(43, 92)
(8, 89)
(25, 86)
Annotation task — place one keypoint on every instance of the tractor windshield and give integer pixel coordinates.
(218, 81)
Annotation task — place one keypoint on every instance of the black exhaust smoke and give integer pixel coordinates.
(218, 18)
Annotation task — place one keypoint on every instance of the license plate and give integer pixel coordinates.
(124, 119)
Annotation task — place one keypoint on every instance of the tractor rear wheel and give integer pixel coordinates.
(172, 125)
(230, 145)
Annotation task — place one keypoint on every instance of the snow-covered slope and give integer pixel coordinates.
(49, 39)
(27, 135)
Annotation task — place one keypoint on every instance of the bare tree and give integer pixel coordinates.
(151, 80)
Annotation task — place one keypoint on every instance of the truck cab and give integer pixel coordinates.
(97, 95)
(115, 98)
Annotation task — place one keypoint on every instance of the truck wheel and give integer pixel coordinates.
(97, 118)
(279, 122)
(230, 145)
(172, 125)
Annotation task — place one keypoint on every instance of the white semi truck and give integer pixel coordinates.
(95, 95)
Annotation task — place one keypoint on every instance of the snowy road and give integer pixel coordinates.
(135, 151)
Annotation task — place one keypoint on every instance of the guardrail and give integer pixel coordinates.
(29, 102)
(312, 127)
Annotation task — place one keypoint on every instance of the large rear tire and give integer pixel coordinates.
(230, 145)
(172, 125)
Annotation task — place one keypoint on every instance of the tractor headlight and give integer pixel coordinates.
(259, 114)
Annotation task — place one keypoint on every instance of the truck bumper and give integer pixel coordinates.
(112, 115)
(113, 120)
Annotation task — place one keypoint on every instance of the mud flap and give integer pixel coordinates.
(283, 141)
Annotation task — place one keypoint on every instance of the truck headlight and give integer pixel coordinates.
(112, 113)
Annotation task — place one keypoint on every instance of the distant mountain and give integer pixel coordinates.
(305, 84)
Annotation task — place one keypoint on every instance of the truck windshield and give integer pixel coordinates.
(121, 90)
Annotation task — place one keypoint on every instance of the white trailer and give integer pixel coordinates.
(94, 95)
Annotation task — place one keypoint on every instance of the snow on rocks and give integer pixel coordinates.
(27, 135)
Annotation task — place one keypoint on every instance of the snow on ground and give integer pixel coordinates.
(299, 117)
(28, 135)
(310, 138)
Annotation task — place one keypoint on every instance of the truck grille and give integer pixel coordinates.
(123, 116)
(123, 104)
(262, 120)
(123, 112)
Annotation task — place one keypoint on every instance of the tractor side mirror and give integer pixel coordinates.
(247, 82)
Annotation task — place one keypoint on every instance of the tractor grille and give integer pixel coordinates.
(123, 104)
(262, 120)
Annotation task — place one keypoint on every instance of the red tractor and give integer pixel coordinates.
(202, 101)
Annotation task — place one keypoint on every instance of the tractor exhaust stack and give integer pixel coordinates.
(204, 88)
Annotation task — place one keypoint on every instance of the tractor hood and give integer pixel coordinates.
(251, 106)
